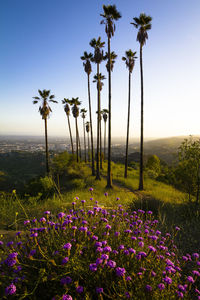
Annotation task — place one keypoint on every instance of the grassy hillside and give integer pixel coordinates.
(168, 204)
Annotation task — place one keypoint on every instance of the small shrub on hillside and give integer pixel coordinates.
(96, 254)
(42, 186)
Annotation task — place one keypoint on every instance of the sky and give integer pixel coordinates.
(41, 42)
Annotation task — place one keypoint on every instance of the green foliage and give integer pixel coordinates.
(188, 170)
(43, 187)
(19, 168)
(153, 163)
(61, 162)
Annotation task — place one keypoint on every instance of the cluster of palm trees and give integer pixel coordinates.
(110, 15)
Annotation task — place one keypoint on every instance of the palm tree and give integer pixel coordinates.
(87, 127)
(110, 15)
(45, 110)
(98, 79)
(83, 112)
(88, 69)
(144, 24)
(105, 117)
(129, 59)
(75, 111)
(113, 56)
(66, 103)
(97, 58)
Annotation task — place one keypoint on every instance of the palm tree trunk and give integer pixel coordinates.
(101, 166)
(109, 179)
(84, 139)
(104, 140)
(141, 179)
(90, 111)
(88, 146)
(79, 142)
(98, 131)
(77, 154)
(46, 147)
(70, 133)
(127, 137)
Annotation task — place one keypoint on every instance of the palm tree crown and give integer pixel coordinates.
(87, 127)
(98, 53)
(144, 24)
(110, 15)
(113, 56)
(75, 110)
(87, 57)
(98, 79)
(44, 109)
(83, 112)
(129, 59)
(66, 103)
(105, 114)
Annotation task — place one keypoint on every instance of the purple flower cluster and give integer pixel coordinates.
(110, 250)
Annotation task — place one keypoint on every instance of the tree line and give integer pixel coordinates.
(109, 16)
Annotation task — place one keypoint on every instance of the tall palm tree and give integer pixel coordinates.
(105, 117)
(129, 59)
(110, 15)
(144, 24)
(88, 69)
(87, 127)
(98, 57)
(83, 112)
(98, 79)
(75, 111)
(66, 103)
(45, 110)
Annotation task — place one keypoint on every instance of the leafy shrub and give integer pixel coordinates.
(42, 186)
(96, 254)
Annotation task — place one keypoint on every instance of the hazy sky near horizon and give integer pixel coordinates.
(41, 42)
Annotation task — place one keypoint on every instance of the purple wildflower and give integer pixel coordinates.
(111, 264)
(99, 290)
(107, 249)
(167, 280)
(66, 280)
(128, 278)
(195, 255)
(67, 246)
(127, 295)
(190, 279)
(67, 297)
(61, 215)
(104, 256)
(196, 273)
(79, 289)
(65, 260)
(93, 267)
(120, 271)
(10, 290)
(148, 288)
(161, 286)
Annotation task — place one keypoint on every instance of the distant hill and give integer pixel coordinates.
(165, 148)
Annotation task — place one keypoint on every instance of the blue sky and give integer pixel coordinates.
(41, 42)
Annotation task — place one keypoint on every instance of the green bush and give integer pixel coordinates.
(42, 186)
